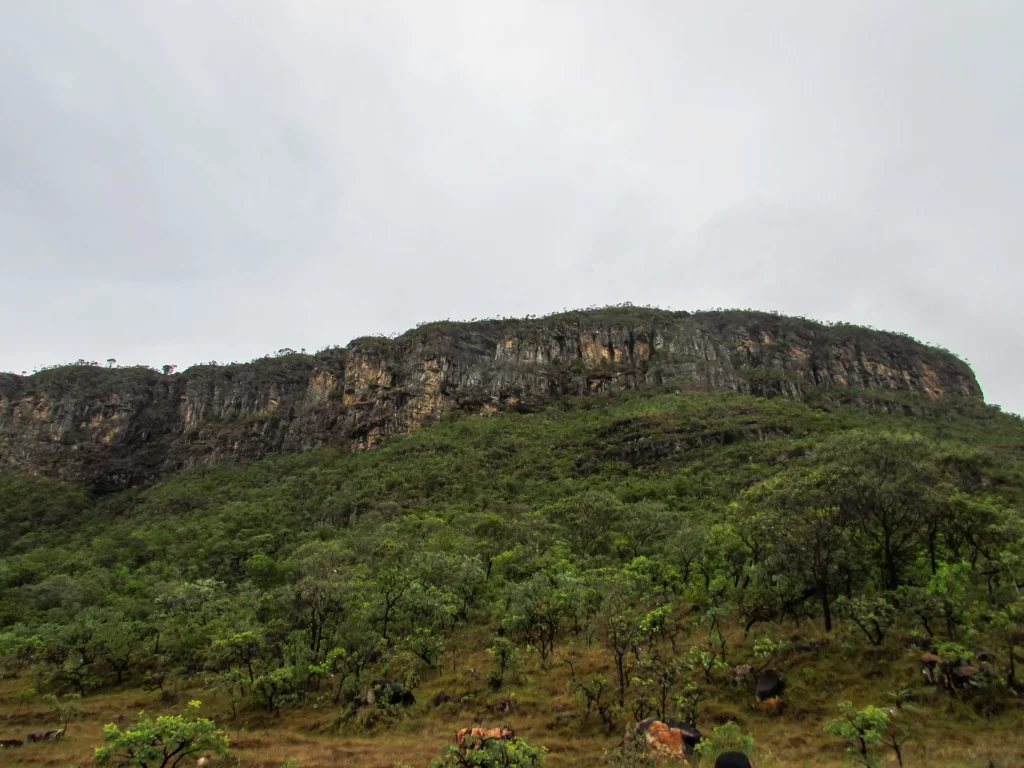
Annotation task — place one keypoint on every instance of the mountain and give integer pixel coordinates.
(565, 526)
(113, 428)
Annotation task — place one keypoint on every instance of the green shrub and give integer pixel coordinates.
(168, 741)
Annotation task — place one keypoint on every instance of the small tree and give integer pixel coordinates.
(166, 742)
(622, 614)
(688, 702)
(633, 752)
(767, 651)
(727, 737)
(482, 752)
(655, 681)
(950, 590)
(505, 656)
(903, 720)
(64, 709)
(26, 695)
(277, 687)
(872, 616)
(591, 695)
(863, 728)
(703, 659)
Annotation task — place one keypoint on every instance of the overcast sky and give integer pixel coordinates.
(190, 181)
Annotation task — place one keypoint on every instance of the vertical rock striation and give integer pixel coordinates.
(113, 428)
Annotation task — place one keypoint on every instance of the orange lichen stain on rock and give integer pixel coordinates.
(592, 351)
(431, 403)
(668, 741)
(36, 410)
(320, 387)
(272, 404)
(488, 409)
(373, 437)
(798, 352)
(931, 382)
(365, 375)
(361, 377)
(878, 369)
(641, 350)
(511, 400)
(509, 343)
(766, 338)
(528, 352)
(112, 426)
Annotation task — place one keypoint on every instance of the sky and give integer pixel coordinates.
(214, 180)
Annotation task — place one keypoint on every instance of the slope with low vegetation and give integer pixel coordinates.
(566, 572)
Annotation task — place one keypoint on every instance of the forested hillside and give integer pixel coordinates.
(568, 572)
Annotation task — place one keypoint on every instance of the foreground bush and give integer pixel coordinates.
(166, 742)
(478, 752)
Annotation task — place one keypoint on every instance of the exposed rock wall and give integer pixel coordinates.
(113, 428)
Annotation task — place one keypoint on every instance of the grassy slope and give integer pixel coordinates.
(949, 735)
(693, 452)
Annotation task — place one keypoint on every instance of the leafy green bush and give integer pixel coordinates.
(862, 728)
(166, 742)
(479, 752)
(505, 657)
(727, 737)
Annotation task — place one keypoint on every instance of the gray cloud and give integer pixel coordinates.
(188, 181)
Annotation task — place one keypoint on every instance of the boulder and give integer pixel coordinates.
(962, 675)
(670, 737)
(504, 733)
(770, 685)
(384, 692)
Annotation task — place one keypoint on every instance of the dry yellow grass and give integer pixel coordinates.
(950, 735)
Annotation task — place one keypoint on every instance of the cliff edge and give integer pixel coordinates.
(111, 428)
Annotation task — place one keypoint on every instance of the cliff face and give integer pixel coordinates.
(113, 428)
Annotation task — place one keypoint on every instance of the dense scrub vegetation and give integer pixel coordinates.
(676, 535)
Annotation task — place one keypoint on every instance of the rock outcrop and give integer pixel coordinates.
(114, 428)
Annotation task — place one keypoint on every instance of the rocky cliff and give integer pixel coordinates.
(113, 428)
